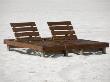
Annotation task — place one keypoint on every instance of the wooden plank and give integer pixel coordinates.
(86, 44)
(24, 45)
(59, 37)
(25, 29)
(59, 23)
(23, 24)
(61, 27)
(65, 53)
(104, 50)
(54, 46)
(5, 40)
(27, 34)
(72, 37)
(37, 45)
(29, 39)
(62, 32)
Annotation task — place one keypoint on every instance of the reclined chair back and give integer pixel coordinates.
(26, 31)
(62, 30)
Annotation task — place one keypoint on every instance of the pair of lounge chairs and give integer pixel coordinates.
(63, 40)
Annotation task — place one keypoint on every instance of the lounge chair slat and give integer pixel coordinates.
(61, 27)
(62, 32)
(59, 23)
(23, 24)
(25, 29)
(72, 37)
(27, 34)
(29, 39)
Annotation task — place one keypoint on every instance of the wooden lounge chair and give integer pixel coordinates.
(64, 33)
(27, 36)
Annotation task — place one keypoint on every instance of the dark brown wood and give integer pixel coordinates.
(58, 46)
(59, 23)
(72, 37)
(85, 44)
(57, 29)
(30, 39)
(62, 32)
(63, 40)
(68, 43)
(22, 24)
(24, 29)
(65, 53)
(5, 40)
(72, 41)
(23, 45)
(46, 46)
(27, 34)
(61, 28)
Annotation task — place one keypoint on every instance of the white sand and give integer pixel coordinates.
(91, 20)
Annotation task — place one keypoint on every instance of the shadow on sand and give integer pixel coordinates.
(52, 55)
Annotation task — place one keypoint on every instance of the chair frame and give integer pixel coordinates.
(63, 40)
(27, 36)
(64, 32)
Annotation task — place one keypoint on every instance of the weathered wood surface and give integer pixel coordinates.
(59, 23)
(22, 24)
(25, 31)
(63, 40)
(64, 28)
(63, 31)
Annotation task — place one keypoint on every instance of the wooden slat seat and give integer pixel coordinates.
(63, 39)
(85, 44)
(70, 40)
(42, 46)
(27, 36)
(24, 29)
(25, 32)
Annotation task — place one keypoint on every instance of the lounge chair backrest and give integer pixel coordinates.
(62, 30)
(26, 31)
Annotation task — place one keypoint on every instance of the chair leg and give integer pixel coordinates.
(43, 54)
(103, 50)
(81, 52)
(8, 48)
(65, 53)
